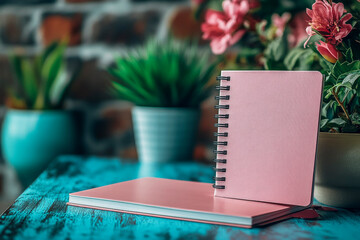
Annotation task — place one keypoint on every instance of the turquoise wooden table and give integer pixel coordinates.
(41, 211)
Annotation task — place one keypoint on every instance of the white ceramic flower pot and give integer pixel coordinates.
(165, 134)
(337, 179)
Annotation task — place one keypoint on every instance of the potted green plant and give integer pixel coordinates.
(337, 180)
(167, 81)
(276, 43)
(36, 129)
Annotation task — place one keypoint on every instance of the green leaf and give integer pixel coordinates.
(48, 50)
(16, 62)
(328, 110)
(58, 94)
(52, 67)
(127, 94)
(349, 55)
(29, 82)
(323, 123)
(327, 66)
(336, 122)
(351, 78)
(278, 48)
(292, 58)
(58, 87)
(345, 67)
(355, 118)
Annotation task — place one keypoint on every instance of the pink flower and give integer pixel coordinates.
(297, 27)
(224, 28)
(280, 23)
(329, 21)
(328, 51)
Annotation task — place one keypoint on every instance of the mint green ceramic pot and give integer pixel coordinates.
(165, 134)
(31, 139)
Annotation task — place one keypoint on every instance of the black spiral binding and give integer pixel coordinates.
(221, 133)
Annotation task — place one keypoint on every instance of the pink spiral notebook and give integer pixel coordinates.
(268, 126)
(268, 123)
(182, 200)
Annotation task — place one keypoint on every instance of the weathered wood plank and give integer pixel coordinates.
(41, 211)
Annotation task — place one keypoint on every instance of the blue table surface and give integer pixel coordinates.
(41, 211)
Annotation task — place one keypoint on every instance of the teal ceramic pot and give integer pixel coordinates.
(165, 134)
(31, 139)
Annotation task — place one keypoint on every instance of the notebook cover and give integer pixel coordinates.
(272, 135)
(183, 195)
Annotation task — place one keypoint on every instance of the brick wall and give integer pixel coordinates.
(97, 31)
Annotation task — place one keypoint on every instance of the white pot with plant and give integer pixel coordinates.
(167, 82)
(36, 129)
(337, 179)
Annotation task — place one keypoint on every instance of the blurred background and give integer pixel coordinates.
(97, 31)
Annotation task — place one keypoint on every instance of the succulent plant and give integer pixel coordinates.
(164, 74)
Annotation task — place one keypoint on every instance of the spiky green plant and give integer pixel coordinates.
(42, 81)
(164, 74)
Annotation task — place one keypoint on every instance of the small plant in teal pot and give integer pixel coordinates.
(36, 129)
(167, 81)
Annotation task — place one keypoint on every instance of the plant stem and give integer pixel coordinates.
(341, 105)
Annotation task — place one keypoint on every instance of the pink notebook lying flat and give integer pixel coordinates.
(184, 200)
(268, 125)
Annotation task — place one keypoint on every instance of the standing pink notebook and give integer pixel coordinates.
(184, 200)
(268, 125)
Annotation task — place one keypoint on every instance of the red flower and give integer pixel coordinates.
(329, 21)
(328, 51)
(224, 28)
